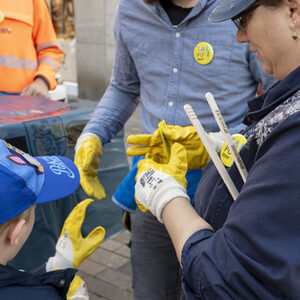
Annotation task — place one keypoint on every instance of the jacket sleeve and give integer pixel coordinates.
(121, 97)
(255, 254)
(46, 43)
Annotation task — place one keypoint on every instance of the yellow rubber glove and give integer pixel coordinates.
(197, 156)
(72, 249)
(87, 158)
(77, 290)
(157, 184)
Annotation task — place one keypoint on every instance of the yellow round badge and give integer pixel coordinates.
(203, 53)
(226, 156)
(1, 16)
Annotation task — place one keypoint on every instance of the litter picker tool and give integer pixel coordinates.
(226, 135)
(211, 151)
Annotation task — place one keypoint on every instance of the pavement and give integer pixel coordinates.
(107, 272)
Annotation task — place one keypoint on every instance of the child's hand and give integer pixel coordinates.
(72, 249)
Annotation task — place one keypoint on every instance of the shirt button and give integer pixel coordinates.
(171, 103)
(177, 34)
(62, 282)
(175, 70)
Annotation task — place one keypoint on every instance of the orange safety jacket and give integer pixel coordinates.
(28, 45)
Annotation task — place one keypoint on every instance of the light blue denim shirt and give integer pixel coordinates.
(155, 63)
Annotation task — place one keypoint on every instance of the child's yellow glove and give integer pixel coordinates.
(197, 156)
(157, 184)
(72, 249)
(87, 158)
(77, 290)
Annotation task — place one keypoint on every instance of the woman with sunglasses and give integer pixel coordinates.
(248, 248)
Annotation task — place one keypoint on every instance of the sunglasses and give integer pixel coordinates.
(241, 19)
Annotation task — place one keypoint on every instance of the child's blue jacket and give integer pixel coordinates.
(16, 284)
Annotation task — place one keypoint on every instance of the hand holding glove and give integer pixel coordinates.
(72, 249)
(77, 290)
(157, 184)
(88, 150)
(197, 156)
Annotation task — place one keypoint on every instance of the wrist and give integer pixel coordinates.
(217, 140)
(58, 262)
(43, 79)
(83, 137)
(167, 195)
(155, 189)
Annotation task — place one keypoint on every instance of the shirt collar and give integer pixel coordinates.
(195, 11)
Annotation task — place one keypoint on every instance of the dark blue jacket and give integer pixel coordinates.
(254, 252)
(16, 285)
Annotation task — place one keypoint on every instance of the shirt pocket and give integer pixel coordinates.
(20, 10)
(222, 44)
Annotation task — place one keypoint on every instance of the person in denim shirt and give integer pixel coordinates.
(158, 63)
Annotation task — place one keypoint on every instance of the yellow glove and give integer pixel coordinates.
(77, 290)
(72, 249)
(157, 184)
(87, 158)
(197, 156)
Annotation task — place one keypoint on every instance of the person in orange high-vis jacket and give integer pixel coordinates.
(29, 50)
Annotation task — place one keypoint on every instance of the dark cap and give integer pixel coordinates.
(227, 9)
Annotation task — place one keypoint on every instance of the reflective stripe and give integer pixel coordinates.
(48, 60)
(18, 63)
(41, 47)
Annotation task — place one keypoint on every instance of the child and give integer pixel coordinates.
(24, 182)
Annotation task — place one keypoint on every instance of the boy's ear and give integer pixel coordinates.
(14, 231)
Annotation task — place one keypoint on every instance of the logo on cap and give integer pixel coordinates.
(21, 158)
(57, 166)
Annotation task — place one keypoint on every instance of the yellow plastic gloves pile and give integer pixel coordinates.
(152, 170)
(187, 152)
(197, 156)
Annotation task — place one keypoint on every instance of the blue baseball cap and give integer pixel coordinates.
(27, 180)
(227, 9)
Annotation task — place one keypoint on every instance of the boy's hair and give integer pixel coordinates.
(24, 215)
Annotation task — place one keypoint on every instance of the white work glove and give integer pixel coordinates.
(217, 140)
(71, 248)
(155, 184)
